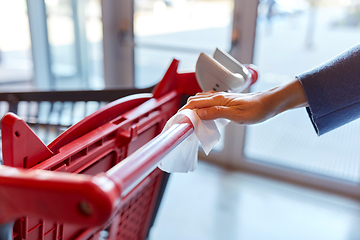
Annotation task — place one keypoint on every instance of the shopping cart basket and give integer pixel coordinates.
(113, 153)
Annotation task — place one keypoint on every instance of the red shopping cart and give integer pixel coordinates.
(99, 176)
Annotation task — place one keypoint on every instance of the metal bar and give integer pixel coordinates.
(162, 47)
(244, 30)
(105, 95)
(81, 50)
(44, 77)
(6, 231)
(118, 27)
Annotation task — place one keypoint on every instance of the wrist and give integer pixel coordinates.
(285, 97)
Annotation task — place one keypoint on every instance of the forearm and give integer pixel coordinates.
(248, 108)
(285, 97)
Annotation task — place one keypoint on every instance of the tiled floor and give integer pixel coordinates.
(215, 204)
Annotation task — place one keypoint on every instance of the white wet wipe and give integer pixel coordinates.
(185, 156)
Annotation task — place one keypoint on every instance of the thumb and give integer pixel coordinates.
(212, 113)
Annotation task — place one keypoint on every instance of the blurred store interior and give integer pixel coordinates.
(273, 180)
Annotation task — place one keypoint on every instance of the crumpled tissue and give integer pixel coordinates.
(185, 156)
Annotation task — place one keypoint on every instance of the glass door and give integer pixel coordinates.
(283, 38)
(75, 39)
(142, 37)
(66, 37)
(179, 29)
(16, 67)
(292, 37)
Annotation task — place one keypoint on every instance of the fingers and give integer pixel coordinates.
(203, 95)
(206, 93)
(205, 101)
(198, 103)
(214, 112)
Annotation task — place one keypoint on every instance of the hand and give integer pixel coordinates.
(242, 108)
(248, 108)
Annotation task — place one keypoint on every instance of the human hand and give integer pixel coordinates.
(248, 108)
(241, 108)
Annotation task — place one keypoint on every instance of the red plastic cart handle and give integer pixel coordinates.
(90, 201)
(137, 166)
(93, 199)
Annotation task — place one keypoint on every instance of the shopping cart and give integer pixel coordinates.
(49, 113)
(114, 153)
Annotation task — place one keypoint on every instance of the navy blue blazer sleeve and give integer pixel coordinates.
(333, 91)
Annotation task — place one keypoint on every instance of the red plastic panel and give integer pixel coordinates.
(21, 147)
(98, 118)
(136, 209)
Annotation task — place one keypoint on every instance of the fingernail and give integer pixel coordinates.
(201, 113)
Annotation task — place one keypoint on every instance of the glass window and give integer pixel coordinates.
(292, 37)
(178, 29)
(61, 34)
(15, 45)
(75, 40)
